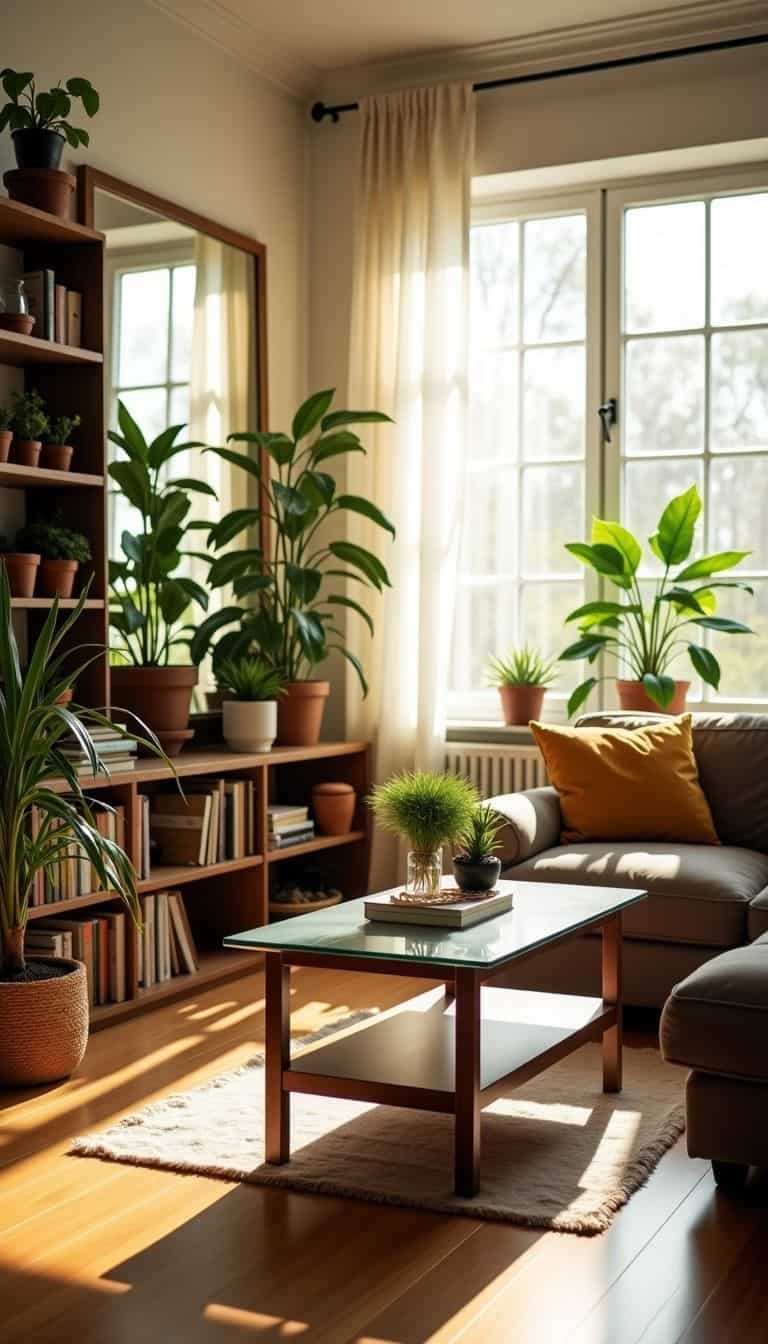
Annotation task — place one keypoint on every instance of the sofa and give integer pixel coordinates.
(703, 899)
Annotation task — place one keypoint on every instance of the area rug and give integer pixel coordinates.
(557, 1153)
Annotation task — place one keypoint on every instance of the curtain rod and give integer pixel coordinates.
(320, 111)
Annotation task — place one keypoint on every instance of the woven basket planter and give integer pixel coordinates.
(43, 1026)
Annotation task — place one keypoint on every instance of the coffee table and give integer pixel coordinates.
(457, 1054)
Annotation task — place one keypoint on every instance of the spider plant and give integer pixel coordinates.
(481, 836)
(247, 678)
(524, 666)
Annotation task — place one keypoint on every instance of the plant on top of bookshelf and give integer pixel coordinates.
(475, 866)
(29, 422)
(43, 1004)
(149, 597)
(251, 689)
(57, 450)
(62, 551)
(39, 125)
(522, 678)
(430, 809)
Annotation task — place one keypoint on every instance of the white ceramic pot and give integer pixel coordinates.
(250, 725)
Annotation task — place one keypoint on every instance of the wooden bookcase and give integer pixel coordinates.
(220, 898)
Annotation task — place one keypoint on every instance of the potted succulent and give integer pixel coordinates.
(61, 552)
(648, 635)
(44, 1002)
(431, 810)
(39, 124)
(522, 677)
(149, 598)
(476, 867)
(29, 423)
(250, 692)
(20, 568)
(57, 450)
(294, 590)
(6, 434)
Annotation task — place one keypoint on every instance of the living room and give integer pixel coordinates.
(384, 671)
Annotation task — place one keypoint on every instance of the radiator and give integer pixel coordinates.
(496, 769)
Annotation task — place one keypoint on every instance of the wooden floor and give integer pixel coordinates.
(100, 1253)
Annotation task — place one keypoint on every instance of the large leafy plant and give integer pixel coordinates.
(148, 597)
(28, 110)
(295, 592)
(646, 636)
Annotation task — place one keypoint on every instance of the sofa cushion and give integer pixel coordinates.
(716, 1020)
(757, 919)
(696, 893)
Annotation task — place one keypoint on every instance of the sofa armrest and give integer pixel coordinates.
(533, 823)
(757, 915)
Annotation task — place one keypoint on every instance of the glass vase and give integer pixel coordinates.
(425, 872)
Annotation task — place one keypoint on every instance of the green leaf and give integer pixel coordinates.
(602, 557)
(305, 583)
(311, 412)
(677, 526)
(311, 634)
(361, 559)
(599, 610)
(724, 625)
(133, 481)
(241, 460)
(337, 600)
(614, 535)
(363, 506)
(174, 508)
(338, 418)
(711, 564)
(581, 694)
(131, 432)
(355, 661)
(683, 600)
(189, 483)
(133, 618)
(705, 664)
(227, 567)
(173, 601)
(195, 591)
(84, 90)
(15, 82)
(161, 448)
(318, 487)
(231, 525)
(588, 647)
(291, 502)
(201, 640)
(131, 547)
(246, 584)
(335, 444)
(661, 689)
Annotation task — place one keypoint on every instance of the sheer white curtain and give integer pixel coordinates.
(408, 357)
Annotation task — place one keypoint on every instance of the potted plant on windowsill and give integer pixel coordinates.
(647, 636)
(149, 598)
(250, 693)
(522, 677)
(29, 423)
(39, 125)
(57, 450)
(430, 810)
(61, 552)
(295, 594)
(476, 867)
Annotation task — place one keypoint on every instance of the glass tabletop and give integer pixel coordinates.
(543, 912)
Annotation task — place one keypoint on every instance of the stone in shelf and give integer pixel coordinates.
(16, 477)
(21, 350)
(318, 842)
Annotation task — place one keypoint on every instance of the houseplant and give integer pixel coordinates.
(296, 591)
(29, 423)
(149, 598)
(44, 1003)
(522, 677)
(61, 552)
(250, 692)
(648, 635)
(39, 124)
(57, 450)
(20, 569)
(476, 867)
(6, 434)
(430, 809)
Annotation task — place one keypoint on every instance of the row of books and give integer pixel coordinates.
(117, 752)
(57, 310)
(165, 945)
(213, 822)
(288, 824)
(73, 874)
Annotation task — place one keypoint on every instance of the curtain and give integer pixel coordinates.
(408, 357)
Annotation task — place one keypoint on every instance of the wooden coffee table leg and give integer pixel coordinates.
(467, 1084)
(277, 1120)
(612, 991)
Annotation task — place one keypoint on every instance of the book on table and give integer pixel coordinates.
(460, 914)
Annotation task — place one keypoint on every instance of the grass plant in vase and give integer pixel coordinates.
(429, 809)
(250, 693)
(522, 677)
(476, 867)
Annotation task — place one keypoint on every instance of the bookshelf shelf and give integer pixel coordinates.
(315, 845)
(45, 603)
(170, 875)
(214, 968)
(22, 350)
(25, 226)
(15, 477)
(52, 908)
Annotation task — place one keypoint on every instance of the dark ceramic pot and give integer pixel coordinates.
(477, 874)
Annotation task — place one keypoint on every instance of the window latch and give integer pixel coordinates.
(609, 414)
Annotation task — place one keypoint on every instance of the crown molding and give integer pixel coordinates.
(216, 23)
(706, 21)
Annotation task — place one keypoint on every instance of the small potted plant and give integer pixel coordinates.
(21, 569)
(522, 677)
(57, 450)
(29, 423)
(61, 552)
(39, 124)
(250, 692)
(6, 434)
(476, 867)
(430, 809)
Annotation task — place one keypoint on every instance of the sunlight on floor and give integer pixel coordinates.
(255, 1320)
(551, 1111)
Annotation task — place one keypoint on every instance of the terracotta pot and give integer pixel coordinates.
(65, 697)
(160, 697)
(520, 704)
(27, 452)
(6, 438)
(57, 456)
(47, 189)
(21, 323)
(56, 578)
(249, 725)
(21, 568)
(633, 695)
(43, 1025)
(300, 713)
(333, 805)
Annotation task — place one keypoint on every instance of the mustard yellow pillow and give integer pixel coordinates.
(627, 784)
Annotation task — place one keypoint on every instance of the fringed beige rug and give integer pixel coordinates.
(557, 1153)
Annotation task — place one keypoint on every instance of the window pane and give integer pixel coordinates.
(544, 608)
(554, 398)
(552, 515)
(493, 429)
(740, 389)
(739, 251)
(664, 395)
(179, 413)
(182, 312)
(144, 297)
(743, 658)
(555, 271)
(148, 408)
(486, 621)
(489, 529)
(738, 488)
(495, 297)
(664, 267)
(648, 488)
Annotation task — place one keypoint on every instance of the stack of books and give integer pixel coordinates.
(211, 823)
(72, 874)
(289, 824)
(461, 910)
(165, 946)
(56, 309)
(117, 752)
(95, 937)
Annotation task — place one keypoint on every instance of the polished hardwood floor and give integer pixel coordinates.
(106, 1254)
